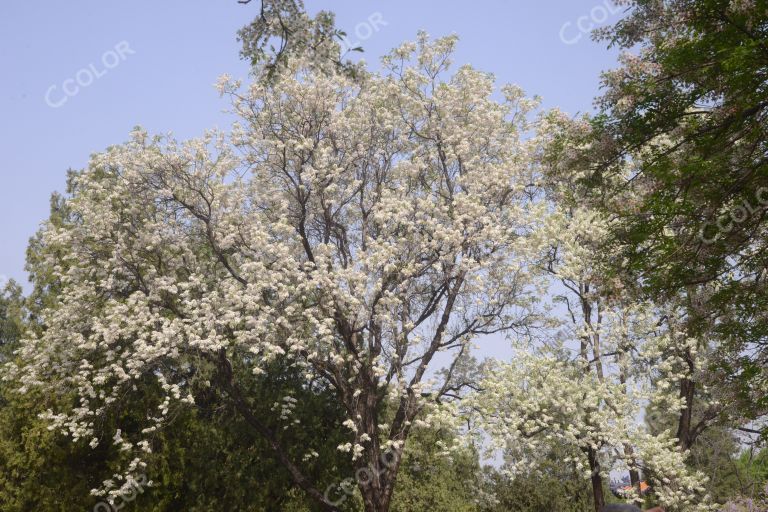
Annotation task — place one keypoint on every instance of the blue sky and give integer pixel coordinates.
(77, 76)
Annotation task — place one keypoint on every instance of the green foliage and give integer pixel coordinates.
(11, 318)
(551, 485)
(688, 114)
(283, 31)
(38, 469)
(715, 454)
(430, 481)
(206, 459)
(755, 466)
(752, 471)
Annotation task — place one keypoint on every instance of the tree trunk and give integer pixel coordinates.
(375, 503)
(375, 498)
(634, 478)
(378, 481)
(687, 392)
(597, 480)
(629, 452)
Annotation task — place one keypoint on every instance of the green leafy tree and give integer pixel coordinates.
(433, 481)
(550, 485)
(11, 318)
(687, 110)
(283, 30)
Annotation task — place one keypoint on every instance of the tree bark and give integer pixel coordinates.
(687, 393)
(634, 474)
(629, 452)
(597, 480)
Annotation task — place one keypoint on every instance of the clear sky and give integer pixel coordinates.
(77, 76)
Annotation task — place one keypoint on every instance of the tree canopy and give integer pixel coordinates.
(284, 315)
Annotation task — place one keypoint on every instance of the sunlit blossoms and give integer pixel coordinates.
(353, 228)
(609, 360)
(365, 230)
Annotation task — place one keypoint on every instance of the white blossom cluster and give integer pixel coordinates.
(356, 228)
(610, 359)
(352, 228)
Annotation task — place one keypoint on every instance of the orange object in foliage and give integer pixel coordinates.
(644, 487)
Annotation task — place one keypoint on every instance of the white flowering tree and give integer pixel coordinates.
(611, 358)
(362, 230)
